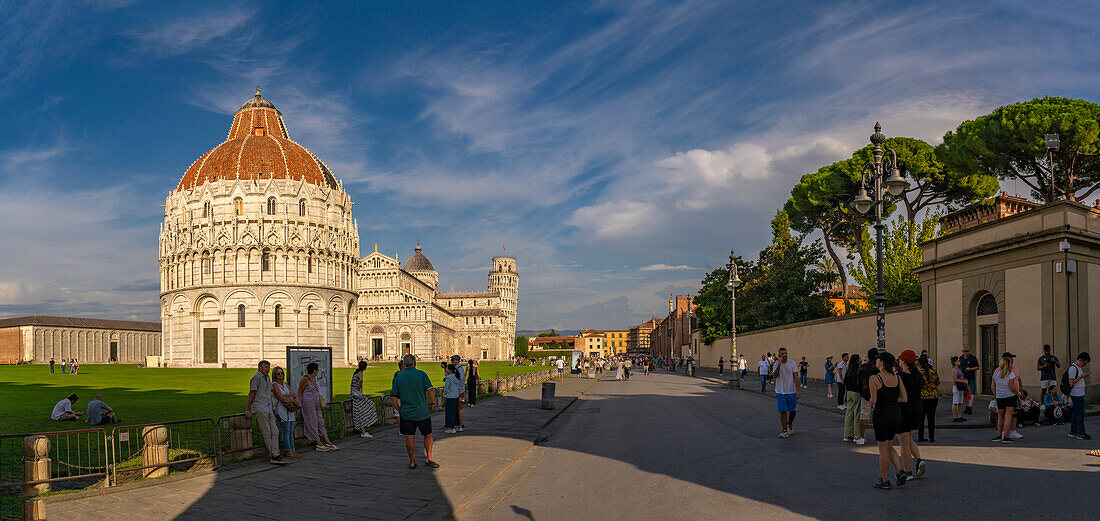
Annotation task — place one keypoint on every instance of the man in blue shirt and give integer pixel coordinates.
(414, 396)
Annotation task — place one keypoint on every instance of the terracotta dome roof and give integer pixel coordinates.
(418, 262)
(258, 147)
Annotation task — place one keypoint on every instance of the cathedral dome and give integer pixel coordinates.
(418, 262)
(258, 147)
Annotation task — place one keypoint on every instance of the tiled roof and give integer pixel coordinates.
(87, 323)
(418, 262)
(258, 147)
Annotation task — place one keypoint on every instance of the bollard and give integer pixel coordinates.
(548, 395)
(240, 438)
(34, 509)
(154, 456)
(36, 464)
(482, 388)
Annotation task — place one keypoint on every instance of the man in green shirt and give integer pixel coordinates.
(414, 396)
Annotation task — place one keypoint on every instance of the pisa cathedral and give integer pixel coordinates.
(259, 250)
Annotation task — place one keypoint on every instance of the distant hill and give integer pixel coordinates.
(562, 332)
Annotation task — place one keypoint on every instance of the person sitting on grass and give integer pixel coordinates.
(100, 413)
(63, 411)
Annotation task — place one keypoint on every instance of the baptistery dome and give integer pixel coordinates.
(258, 147)
(258, 251)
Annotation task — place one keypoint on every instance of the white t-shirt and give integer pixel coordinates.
(841, 368)
(741, 364)
(784, 383)
(1079, 387)
(1003, 390)
(62, 407)
(560, 363)
(763, 366)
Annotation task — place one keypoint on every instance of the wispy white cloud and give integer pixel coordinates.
(192, 33)
(666, 267)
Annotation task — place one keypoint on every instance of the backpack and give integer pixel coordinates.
(1063, 384)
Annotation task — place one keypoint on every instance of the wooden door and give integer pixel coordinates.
(990, 356)
(210, 345)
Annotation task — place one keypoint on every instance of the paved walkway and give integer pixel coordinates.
(668, 447)
(366, 479)
(816, 396)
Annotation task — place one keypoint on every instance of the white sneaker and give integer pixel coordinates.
(861, 441)
(449, 431)
(322, 448)
(460, 429)
(366, 435)
(1015, 435)
(841, 407)
(784, 434)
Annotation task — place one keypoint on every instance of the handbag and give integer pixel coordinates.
(290, 407)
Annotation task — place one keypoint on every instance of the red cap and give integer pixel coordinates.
(908, 356)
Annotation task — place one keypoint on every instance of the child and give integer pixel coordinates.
(452, 393)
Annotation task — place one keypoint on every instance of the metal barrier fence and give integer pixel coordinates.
(34, 463)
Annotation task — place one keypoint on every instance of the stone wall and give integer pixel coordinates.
(817, 339)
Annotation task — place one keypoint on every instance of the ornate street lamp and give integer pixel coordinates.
(884, 177)
(732, 285)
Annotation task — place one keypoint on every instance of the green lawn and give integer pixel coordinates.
(140, 395)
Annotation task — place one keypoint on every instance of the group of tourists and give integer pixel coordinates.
(68, 365)
(899, 395)
(275, 407)
(98, 412)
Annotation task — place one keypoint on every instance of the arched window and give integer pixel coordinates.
(206, 210)
(238, 206)
(469, 339)
(265, 261)
(271, 206)
(278, 315)
(309, 317)
(987, 305)
(240, 315)
(309, 264)
(302, 207)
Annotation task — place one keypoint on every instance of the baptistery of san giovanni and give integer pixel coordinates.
(259, 250)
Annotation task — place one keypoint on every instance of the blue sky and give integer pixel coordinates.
(618, 149)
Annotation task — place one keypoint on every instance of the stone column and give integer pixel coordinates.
(324, 325)
(240, 437)
(196, 340)
(260, 309)
(154, 455)
(297, 316)
(36, 464)
(221, 336)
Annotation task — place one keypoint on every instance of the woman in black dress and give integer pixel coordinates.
(911, 412)
(886, 393)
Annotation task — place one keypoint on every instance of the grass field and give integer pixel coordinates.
(138, 395)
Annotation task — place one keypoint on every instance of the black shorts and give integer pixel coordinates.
(1003, 403)
(105, 420)
(409, 427)
(886, 426)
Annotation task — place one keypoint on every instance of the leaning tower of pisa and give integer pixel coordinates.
(504, 278)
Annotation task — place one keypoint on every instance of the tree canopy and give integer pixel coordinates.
(1009, 143)
(899, 258)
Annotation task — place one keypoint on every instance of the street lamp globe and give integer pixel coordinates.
(862, 202)
(896, 183)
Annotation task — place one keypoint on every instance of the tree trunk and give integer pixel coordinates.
(839, 270)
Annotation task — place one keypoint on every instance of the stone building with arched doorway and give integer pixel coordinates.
(1015, 284)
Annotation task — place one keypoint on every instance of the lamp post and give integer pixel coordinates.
(732, 285)
(1064, 248)
(884, 176)
(1052, 143)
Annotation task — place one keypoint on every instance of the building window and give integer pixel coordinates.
(309, 265)
(238, 206)
(271, 206)
(469, 339)
(278, 315)
(265, 261)
(240, 315)
(206, 210)
(302, 207)
(309, 317)
(987, 305)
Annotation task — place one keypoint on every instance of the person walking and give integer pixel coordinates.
(286, 404)
(64, 366)
(865, 372)
(721, 365)
(887, 393)
(260, 405)
(959, 390)
(786, 392)
(452, 394)
(460, 372)
(76, 366)
(560, 364)
(929, 398)
(363, 412)
(313, 422)
(1048, 366)
(414, 395)
(852, 399)
(742, 366)
(473, 376)
(841, 389)
(803, 370)
(968, 363)
(764, 368)
(1076, 378)
(1006, 391)
(911, 413)
(51, 365)
(829, 379)
(619, 369)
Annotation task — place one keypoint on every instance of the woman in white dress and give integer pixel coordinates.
(620, 372)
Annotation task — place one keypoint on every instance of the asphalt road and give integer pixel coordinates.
(669, 447)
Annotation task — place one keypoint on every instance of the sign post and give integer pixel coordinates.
(298, 357)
